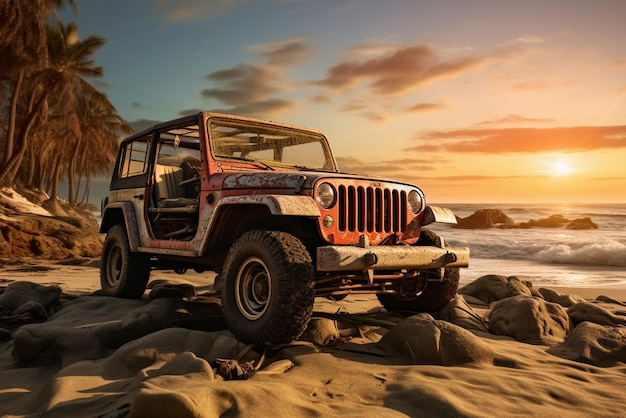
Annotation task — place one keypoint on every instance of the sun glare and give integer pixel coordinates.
(560, 168)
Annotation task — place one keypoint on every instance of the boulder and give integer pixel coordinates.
(529, 319)
(484, 218)
(458, 312)
(583, 223)
(595, 344)
(425, 340)
(492, 287)
(556, 297)
(585, 311)
(554, 221)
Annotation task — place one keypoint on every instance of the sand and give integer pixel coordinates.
(501, 349)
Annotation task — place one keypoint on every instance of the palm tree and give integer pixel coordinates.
(23, 49)
(97, 144)
(58, 123)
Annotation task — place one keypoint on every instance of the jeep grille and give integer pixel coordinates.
(371, 209)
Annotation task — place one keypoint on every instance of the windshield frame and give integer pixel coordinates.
(244, 135)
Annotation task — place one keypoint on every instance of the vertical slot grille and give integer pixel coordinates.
(371, 209)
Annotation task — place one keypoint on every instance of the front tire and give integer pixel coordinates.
(123, 273)
(268, 288)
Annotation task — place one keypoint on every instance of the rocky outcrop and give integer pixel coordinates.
(38, 229)
(582, 223)
(484, 218)
(495, 218)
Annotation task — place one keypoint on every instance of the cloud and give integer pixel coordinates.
(251, 88)
(260, 108)
(425, 107)
(288, 52)
(619, 63)
(398, 71)
(514, 119)
(529, 39)
(141, 124)
(179, 11)
(524, 140)
(242, 83)
(532, 86)
(387, 167)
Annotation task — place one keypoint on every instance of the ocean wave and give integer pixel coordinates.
(562, 249)
(608, 253)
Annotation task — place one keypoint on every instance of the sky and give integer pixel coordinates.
(474, 101)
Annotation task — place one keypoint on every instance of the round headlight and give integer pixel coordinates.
(415, 201)
(325, 195)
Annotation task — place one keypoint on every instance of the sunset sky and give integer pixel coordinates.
(473, 101)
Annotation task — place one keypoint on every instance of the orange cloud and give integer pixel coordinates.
(403, 69)
(514, 119)
(525, 140)
(425, 107)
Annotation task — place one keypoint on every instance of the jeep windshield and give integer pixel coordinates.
(269, 145)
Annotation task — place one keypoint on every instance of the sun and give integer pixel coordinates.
(561, 168)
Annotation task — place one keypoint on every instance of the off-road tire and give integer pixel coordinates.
(268, 288)
(435, 295)
(123, 274)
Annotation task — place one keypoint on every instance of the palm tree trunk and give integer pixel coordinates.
(10, 140)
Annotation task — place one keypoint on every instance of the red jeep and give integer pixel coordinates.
(263, 205)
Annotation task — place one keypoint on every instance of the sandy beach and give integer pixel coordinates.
(168, 355)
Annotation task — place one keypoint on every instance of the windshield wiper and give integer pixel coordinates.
(248, 159)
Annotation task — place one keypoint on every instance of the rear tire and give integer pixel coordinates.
(435, 295)
(268, 288)
(123, 273)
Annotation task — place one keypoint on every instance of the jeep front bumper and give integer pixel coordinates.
(334, 258)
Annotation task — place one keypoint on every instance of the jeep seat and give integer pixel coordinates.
(168, 192)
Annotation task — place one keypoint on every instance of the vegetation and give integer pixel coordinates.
(54, 125)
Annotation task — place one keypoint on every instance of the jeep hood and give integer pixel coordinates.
(287, 180)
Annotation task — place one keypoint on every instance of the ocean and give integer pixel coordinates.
(545, 256)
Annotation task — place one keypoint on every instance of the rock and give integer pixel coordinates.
(321, 331)
(425, 340)
(585, 311)
(583, 223)
(484, 218)
(492, 287)
(71, 335)
(18, 293)
(608, 299)
(25, 302)
(554, 221)
(458, 312)
(595, 344)
(529, 319)
(556, 297)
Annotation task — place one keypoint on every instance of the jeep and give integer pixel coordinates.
(263, 205)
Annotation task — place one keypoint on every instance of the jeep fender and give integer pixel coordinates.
(277, 205)
(118, 213)
(434, 214)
